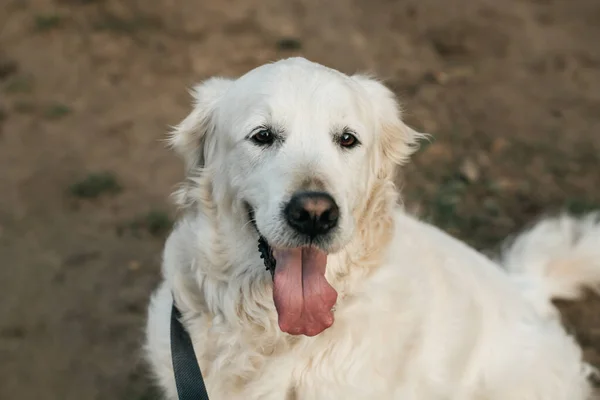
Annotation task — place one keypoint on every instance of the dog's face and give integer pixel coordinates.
(295, 150)
(296, 147)
(292, 138)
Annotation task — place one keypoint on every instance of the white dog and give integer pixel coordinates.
(366, 301)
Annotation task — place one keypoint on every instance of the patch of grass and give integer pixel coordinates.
(94, 185)
(445, 202)
(56, 111)
(466, 211)
(158, 222)
(47, 22)
(491, 206)
(580, 207)
(289, 44)
(155, 222)
(19, 84)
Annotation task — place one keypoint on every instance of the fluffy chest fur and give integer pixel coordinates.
(425, 325)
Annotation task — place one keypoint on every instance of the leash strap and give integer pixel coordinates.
(188, 378)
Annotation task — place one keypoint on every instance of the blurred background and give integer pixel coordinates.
(88, 89)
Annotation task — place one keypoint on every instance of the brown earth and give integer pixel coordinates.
(511, 91)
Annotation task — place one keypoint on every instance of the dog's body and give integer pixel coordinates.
(418, 315)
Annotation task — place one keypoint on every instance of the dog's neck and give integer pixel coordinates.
(229, 280)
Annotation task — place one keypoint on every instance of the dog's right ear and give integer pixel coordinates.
(189, 138)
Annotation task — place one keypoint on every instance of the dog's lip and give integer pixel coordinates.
(302, 246)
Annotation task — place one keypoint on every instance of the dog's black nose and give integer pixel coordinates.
(312, 213)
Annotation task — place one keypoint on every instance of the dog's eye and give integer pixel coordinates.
(263, 137)
(348, 140)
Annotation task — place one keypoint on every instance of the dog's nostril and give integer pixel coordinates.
(331, 215)
(299, 214)
(312, 213)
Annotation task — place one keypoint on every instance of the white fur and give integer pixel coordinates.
(419, 316)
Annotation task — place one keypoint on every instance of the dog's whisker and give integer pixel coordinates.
(249, 222)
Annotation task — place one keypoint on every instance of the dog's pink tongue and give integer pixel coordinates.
(303, 297)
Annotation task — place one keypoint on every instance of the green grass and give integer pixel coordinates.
(94, 185)
(446, 201)
(47, 22)
(158, 222)
(19, 84)
(579, 207)
(155, 222)
(56, 111)
(289, 44)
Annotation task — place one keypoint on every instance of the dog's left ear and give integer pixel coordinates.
(397, 140)
(192, 138)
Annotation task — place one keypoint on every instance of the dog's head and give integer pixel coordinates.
(298, 148)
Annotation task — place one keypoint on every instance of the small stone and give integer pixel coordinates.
(134, 265)
(483, 159)
(470, 170)
(436, 151)
(499, 145)
(503, 185)
(438, 77)
(452, 74)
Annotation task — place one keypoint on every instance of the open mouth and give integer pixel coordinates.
(302, 296)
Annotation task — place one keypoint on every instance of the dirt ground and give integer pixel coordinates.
(88, 88)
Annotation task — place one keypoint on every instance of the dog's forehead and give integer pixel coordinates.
(294, 74)
(295, 87)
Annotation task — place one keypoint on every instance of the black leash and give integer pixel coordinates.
(188, 377)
